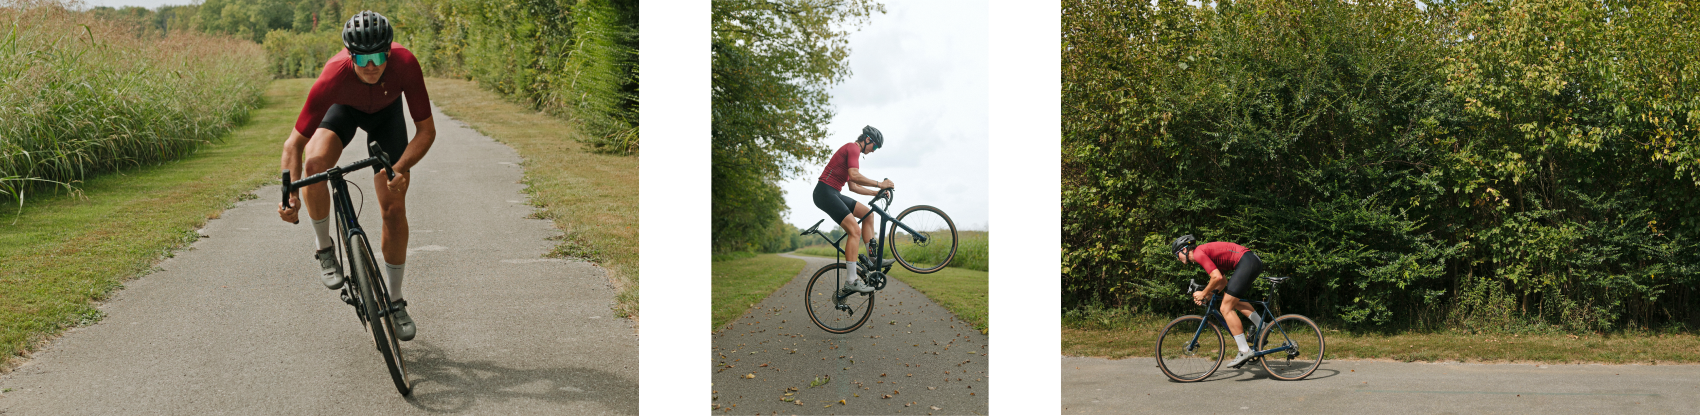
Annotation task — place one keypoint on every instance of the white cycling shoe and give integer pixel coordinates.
(1240, 359)
(329, 270)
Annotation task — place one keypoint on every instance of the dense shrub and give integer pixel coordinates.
(1470, 163)
(300, 54)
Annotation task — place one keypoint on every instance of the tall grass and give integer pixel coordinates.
(81, 95)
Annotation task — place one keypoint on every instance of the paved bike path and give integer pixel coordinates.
(910, 346)
(1136, 386)
(239, 323)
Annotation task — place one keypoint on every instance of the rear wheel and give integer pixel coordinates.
(932, 244)
(819, 298)
(1190, 349)
(376, 301)
(1303, 336)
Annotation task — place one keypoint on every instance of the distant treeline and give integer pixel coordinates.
(575, 59)
(1456, 164)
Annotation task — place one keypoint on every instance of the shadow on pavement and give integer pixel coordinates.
(444, 385)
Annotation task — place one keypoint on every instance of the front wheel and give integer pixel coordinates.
(1303, 336)
(376, 301)
(930, 246)
(829, 311)
(1190, 349)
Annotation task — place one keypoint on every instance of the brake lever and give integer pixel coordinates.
(286, 194)
(373, 149)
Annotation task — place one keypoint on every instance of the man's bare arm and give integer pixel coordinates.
(425, 133)
(861, 189)
(292, 148)
(857, 178)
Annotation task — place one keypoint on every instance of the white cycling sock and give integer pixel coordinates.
(1255, 320)
(852, 266)
(395, 272)
(1240, 339)
(322, 231)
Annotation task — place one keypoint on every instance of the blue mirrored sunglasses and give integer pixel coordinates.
(370, 59)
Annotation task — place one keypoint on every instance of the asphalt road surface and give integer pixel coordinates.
(1136, 386)
(911, 349)
(239, 323)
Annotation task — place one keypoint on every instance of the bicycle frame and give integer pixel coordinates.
(348, 225)
(876, 249)
(1213, 315)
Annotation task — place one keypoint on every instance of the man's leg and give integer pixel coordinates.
(853, 237)
(393, 208)
(1229, 305)
(322, 152)
(868, 232)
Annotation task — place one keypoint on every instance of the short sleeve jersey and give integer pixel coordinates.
(838, 168)
(338, 84)
(1220, 254)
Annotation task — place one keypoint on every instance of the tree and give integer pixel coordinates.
(772, 63)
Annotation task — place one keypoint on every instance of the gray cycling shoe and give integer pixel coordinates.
(864, 263)
(329, 270)
(403, 324)
(859, 286)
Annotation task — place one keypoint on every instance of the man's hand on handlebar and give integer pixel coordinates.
(887, 184)
(398, 184)
(1198, 297)
(291, 213)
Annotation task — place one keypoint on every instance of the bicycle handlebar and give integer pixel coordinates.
(379, 158)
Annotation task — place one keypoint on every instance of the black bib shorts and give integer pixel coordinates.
(387, 127)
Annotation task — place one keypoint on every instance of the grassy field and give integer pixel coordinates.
(591, 197)
(67, 252)
(741, 281)
(971, 251)
(1123, 335)
(963, 291)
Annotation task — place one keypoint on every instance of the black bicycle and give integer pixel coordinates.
(921, 238)
(1191, 347)
(366, 292)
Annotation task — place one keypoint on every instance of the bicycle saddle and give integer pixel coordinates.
(1276, 279)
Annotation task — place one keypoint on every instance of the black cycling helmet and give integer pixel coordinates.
(873, 134)
(1185, 242)
(367, 32)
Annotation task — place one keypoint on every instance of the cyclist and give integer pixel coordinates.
(843, 169)
(358, 89)
(1245, 265)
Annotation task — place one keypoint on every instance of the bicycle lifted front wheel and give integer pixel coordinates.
(374, 300)
(932, 244)
(1304, 336)
(1190, 349)
(827, 310)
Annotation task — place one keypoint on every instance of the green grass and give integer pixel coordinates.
(962, 291)
(971, 251)
(592, 197)
(740, 282)
(67, 252)
(1118, 334)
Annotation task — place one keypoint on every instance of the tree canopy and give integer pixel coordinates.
(773, 61)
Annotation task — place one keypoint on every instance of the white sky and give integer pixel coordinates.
(920, 76)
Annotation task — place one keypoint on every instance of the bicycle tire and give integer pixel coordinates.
(1182, 364)
(1299, 332)
(895, 241)
(818, 295)
(374, 299)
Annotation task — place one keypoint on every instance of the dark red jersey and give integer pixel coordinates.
(338, 84)
(1220, 254)
(838, 168)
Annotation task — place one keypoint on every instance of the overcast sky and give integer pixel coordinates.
(921, 78)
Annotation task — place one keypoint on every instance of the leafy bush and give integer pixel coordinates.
(1464, 164)
(300, 55)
